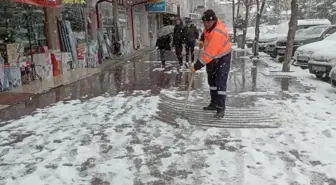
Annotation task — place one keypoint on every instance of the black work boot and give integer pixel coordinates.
(210, 107)
(180, 62)
(220, 113)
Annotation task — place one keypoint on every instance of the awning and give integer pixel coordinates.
(43, 3)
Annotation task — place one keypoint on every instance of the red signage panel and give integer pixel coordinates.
(43, 3)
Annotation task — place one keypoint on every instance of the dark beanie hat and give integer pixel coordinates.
(209, 15)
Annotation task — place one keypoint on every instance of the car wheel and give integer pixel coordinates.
(319, 76)
(273, 55)
(303, 67)
(281, 59)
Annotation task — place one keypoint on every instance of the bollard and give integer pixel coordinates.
(240, 43)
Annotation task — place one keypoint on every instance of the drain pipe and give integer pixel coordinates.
(132, 22)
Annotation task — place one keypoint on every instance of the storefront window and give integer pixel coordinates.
(21, 23)
(106, 14)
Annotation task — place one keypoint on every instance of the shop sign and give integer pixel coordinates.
(194, 16)
(73, 1)
(43, 3)
(171, 8)
(156, 6)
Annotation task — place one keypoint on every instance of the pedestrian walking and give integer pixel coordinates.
(178, 40)
(163, 45)
(190, 36)
(216, 55)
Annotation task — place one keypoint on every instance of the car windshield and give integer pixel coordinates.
(270, 31)
(331, 37)
(314, 30)
(299, 31)
(251, 30)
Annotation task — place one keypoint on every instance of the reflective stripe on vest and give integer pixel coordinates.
(221, 93)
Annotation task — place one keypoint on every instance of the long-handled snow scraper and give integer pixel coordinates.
(191, 79)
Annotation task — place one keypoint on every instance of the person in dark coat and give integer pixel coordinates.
(163, 44)
(191, 34)
(178, 40)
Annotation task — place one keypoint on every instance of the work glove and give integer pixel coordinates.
(193, 70)
(200, 45)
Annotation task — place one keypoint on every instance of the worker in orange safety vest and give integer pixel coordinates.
(216, 56)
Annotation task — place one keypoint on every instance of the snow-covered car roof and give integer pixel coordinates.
(314, 31)
(282, 28)
(314, 22)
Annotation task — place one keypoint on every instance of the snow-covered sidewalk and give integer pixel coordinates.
(117, 140)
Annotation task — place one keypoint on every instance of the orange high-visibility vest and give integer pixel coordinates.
(216, 44)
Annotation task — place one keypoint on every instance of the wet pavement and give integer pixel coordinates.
(145, 73)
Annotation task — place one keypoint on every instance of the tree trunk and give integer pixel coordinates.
(291, 35)
(247, 7)
(238, 8)
(234, 20)
(257, 30)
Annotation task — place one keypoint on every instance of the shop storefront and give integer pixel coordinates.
(22, 34)
(27, 29)
(165, 8)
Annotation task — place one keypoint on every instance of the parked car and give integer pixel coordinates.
(266, 36)
(309, 35)
(282, 30)
(250, 35)
(332, 76)
(270, 48)
(322, 62)
(303, 53)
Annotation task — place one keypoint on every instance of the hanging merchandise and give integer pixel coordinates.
(73, 43)
(43, 3)
(66, 62)
(56, 63)
(3, 81)
(68, 43)
(81, 52)
(43, 65)
(14, 52)
(92, 58)
(14, 72)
